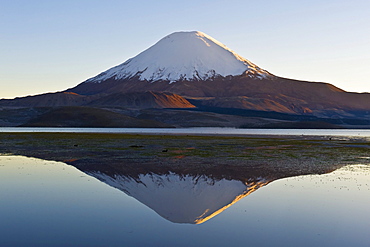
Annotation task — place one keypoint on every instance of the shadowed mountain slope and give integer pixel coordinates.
(77, 116)
(143, 100)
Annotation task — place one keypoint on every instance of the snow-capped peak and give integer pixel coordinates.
(183, 56)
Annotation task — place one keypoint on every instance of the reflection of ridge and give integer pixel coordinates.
(183, 198)
(250, 188)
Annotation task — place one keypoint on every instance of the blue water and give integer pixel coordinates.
(213, 131)
(46, 203)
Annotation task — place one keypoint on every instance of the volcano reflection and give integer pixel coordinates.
(182, 198)
(189, 194)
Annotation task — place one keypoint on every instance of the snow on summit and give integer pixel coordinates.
(183, 56)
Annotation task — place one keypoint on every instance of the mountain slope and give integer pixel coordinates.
(130, 100)
(278, 94)
(77, 116)
(143, 100)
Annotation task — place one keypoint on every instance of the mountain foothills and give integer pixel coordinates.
(190, 79)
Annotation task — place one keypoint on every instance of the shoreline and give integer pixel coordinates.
(278, 154)
(199, 131)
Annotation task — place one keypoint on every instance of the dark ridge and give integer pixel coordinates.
(277, 115)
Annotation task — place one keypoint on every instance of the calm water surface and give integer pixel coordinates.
(215, 131)
(46, 203)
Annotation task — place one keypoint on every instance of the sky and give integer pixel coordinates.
(50, 45)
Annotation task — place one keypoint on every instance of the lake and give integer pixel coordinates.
(204, 131)
(49, 203)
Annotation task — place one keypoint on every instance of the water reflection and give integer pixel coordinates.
(188, 194)
(183, 198)
(47, 203)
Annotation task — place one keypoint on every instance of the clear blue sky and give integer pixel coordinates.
(49, 45)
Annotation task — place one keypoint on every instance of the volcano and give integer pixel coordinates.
(182, 62)
(183, 56)
(193, 71)
(198, 67)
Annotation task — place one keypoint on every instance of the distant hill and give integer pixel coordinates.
(49, 100)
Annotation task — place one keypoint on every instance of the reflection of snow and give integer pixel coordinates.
(182, 198)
